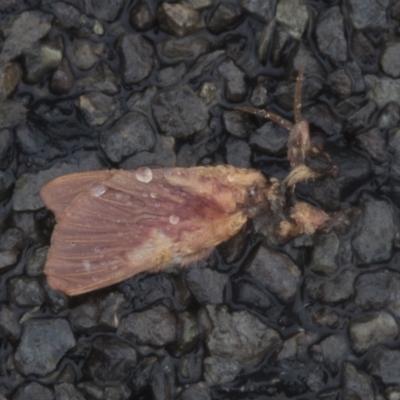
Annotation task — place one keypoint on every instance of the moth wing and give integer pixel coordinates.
(121, 227)
(59, 192)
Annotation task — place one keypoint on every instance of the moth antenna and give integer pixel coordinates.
(297, 91)
(268, 115)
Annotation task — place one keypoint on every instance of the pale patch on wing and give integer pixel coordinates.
(122, 226)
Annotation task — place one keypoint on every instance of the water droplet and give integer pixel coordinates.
(231, 178)
(52, 269)
(173, 219)
(145, 194)
(97, 250)
(144, 174)
(72, 244)
(98, 190)
(119, 233)
(114, 267)
(95, 278)
(118, 196)
(86, 265)
(118, 221)
(103, 263)
(153, 195)
(156, 204)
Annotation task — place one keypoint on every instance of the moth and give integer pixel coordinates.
(113, 224)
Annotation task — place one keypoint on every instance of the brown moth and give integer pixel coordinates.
(114, 224)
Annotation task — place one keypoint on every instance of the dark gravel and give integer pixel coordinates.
(96, 84)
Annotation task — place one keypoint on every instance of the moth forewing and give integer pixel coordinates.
(122, 224)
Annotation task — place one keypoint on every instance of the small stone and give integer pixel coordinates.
(137, 57)
(324, 254)
(206, 285)
(226, 332)
(270, 138)
(263, 10)
(11, 243)
(156, 326)
(86, 54)
(373, 241)
(102, 79)
(384, 364)
(331, 352)
(43, 343)
(276, 272)
(67, 391)
(63, 80)
(35, 264)
(198, 391)
(293, 15)
(141, 16)
(42, 58)
(9, 324)
(370, 330)
(253, 296)
(333, 289)
(98, 108)
(33, 391)
(131, 134)
(238, 153)
(233, 78)
(27, 28)
(224, 17)
(10, 75)
(183, 49)
(356, 384)
(368, 15)
(219, 370)
(373, 142)
(179, 19)
(389, 59)
(11, 114)
(26, 292)
(111, 359)
(236, 123)
(330, 35)
(179, 112)
(377, 290)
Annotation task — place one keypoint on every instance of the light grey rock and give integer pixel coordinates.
(179, 19)
(233, 79)
(370, 330)
(368, 15)
(263, 10)
(101, 79)
(293, 15)
(33, 391)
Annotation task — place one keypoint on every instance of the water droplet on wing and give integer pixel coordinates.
(231, 178)
(144, 174)
(173, 219)
(98, 190)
